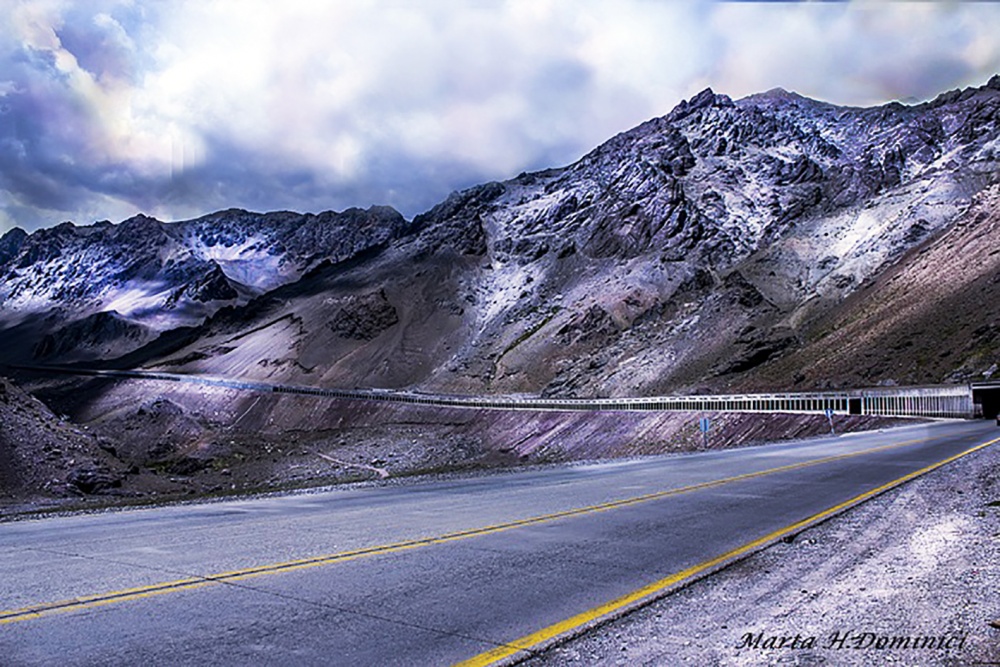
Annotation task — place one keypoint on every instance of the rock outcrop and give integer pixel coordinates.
(43, 455)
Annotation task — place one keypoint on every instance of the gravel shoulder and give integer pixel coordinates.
(920, 561)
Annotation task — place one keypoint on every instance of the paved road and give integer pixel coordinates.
(421, 573)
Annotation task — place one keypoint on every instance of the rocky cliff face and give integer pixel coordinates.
(700, 250)
(698, 247)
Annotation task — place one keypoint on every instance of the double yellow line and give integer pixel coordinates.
(124, 595)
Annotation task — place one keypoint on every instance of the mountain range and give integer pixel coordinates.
(768, 242)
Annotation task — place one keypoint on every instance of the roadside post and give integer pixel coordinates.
(829, 416)
(704, 424)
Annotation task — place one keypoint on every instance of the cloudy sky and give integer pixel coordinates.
(180, 107)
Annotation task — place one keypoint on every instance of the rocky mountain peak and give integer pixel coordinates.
(706, 98)
(10, 244)
(780, 96)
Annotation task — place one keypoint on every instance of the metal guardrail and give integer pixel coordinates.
(943, 401)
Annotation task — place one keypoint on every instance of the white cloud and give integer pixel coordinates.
(493, 85)
(106, 126)
(183, 106)
(857, 53)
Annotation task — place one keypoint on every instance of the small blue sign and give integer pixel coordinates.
(703, 424)
(829, 413)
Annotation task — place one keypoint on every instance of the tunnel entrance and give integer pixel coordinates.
(986, 398)
(854, 406)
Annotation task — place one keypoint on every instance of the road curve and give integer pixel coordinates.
(480, 569)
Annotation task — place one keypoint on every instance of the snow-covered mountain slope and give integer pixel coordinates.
(695, 251)
(101, 290)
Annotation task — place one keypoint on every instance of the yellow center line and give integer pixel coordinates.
(527, 645)
(86, 602)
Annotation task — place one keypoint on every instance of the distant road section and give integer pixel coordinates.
(479, 570)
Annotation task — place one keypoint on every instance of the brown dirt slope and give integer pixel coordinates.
(938, 304)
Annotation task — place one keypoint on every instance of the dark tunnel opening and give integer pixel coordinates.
(988, 398)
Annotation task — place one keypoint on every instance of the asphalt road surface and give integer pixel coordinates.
(438, 572)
